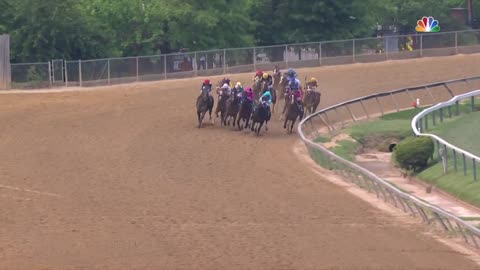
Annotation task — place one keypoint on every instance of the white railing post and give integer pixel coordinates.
(165, 65)
(80, 72)
(50, 73)
(386, 46)
(320, 53)
(254, 59)
(137, 67)
(456, 42)
(353, 51)
(66, 73)
(195, 67)
(421, 45)
(108, 71)
(224, 61)
(286, 55)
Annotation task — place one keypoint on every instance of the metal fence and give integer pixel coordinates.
(239, 60)
(337, 116)
(446, 151)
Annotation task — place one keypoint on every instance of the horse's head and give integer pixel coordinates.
(284, 80)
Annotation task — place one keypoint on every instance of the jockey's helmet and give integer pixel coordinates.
(206, 82)
(238, 85)
(259, 72)
(313, 80)
(265, 75)
(291, 72)
(248, 89)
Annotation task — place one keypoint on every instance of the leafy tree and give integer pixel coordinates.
(306, 20)
(209, 24)
(134, 26)
(42, 30)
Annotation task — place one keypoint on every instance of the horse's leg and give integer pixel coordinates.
(199, 120)
(285, 123)
(238, 123)
(234, 120)
(210, 114)
(259, 128)
(291, 127)
(284, 109)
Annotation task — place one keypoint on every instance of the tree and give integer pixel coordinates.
(43, 30)
(135, 27)
(308, 21)
(209, 24)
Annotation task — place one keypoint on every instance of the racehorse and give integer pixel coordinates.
(311, 99)
(273, 92)
(293, 112)
(222, 104)
(244, 114)
(260, 116)
(257, 88)
(204, 103)
(282, 85)
(232, 108)
(223, 81)
(277, 78)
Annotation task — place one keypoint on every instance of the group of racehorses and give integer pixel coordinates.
(231, 110)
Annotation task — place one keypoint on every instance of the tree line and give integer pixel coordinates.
(86, 29)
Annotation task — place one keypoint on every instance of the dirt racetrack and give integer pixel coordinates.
(121, 178)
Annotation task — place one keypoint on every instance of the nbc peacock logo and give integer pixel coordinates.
(427, 24)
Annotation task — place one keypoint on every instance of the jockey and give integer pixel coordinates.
(267, 78)
(227, 89)
(296, 89)
(258, 75)
(291, 74)
(206, 86)
(312, 84)
(239, 88)
(226, 81)
(248, 95)
(268, 97)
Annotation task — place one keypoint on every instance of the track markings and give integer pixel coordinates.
(29, 191)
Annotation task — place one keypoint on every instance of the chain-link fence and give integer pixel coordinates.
(363, 108)
(31, 75)
(239, 60)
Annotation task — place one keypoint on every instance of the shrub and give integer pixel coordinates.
(413, 153)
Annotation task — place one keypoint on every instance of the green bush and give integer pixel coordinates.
(413, 153)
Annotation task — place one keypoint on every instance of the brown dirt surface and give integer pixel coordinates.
(122, 179)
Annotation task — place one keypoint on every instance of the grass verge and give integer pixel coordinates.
(379, 133)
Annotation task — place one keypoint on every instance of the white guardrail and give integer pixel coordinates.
(420, 123)
(430, 214)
